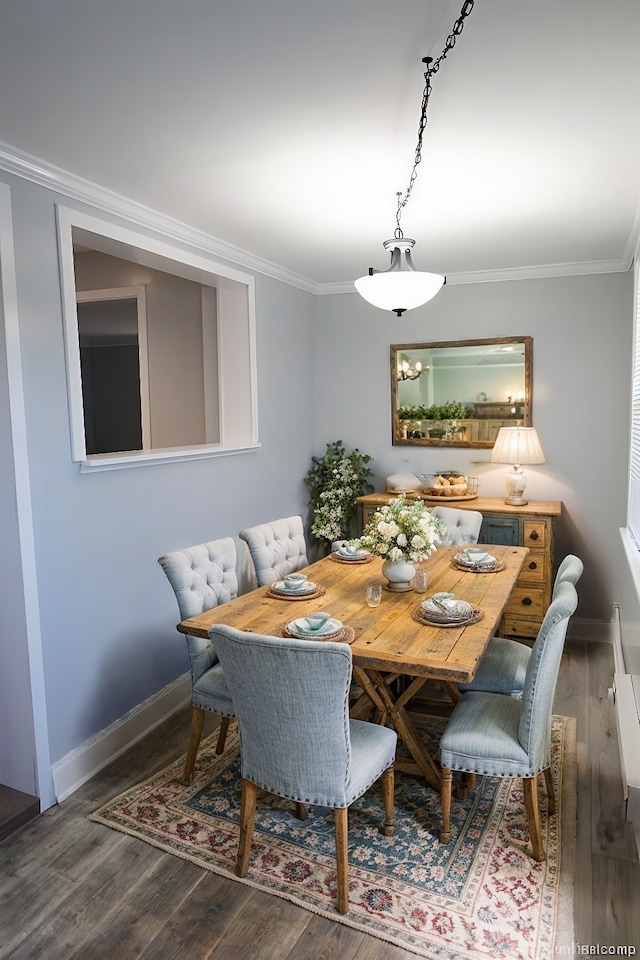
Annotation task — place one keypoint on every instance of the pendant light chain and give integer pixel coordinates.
(432, 68)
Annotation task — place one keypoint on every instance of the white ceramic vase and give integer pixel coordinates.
(399, 573)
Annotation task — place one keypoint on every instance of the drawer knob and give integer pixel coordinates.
(526, 601)
(534, 535)
(533, 565)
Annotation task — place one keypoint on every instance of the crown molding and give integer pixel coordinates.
(76, 188)
(539, 272)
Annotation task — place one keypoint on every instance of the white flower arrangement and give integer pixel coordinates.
(403, 529)
(336, 481)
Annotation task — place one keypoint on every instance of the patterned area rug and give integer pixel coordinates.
(481, 896)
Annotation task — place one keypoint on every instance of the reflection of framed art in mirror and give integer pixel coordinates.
(459, 393)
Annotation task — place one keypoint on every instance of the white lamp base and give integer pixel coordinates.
(515, 487)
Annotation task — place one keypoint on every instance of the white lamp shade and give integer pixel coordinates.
(517, 445)
(399, 290)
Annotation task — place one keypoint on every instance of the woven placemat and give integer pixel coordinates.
(346, 635)
(310, 595)
(368, 559)
(419, 614)
(494, 568)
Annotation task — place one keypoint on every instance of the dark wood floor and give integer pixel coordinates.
(16, 809)
(75, 890)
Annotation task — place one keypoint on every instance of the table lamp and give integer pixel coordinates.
(517, 445)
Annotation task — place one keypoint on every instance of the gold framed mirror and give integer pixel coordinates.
(458, 393)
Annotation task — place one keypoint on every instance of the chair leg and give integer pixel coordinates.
(301, 811)
(551, 803)
(340, 815)
(530, 788)
(466, 785)
(247, 820)
(445, 799)
(222, 736)
(387, 794)
(197, 722)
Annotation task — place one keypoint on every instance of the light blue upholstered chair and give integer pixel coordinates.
(296, 739)
(277, 548)
(499, 736)
(463, 526)
(202, 577)
(504, 664)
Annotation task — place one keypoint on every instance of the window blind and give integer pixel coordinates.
(633, 511)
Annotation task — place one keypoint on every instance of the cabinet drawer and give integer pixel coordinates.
(526, 601)
(519, 627)
(504, 530)
(535, 533)
(535, 569)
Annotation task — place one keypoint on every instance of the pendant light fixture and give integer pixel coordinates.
(395, 288)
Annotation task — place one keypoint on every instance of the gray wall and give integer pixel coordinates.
(582, 336)
(108, 614)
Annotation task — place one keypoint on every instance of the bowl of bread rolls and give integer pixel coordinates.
(448, 486)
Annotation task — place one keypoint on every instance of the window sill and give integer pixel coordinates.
(138, 458)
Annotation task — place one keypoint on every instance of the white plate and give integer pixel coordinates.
(441, 621)
(487, 561)
(457, 611)
(308, 587)
(297, 629)
(360, 555)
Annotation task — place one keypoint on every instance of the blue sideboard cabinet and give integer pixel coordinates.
(533, 526)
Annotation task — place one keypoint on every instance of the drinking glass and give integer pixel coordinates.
(374, 595)
(420, 581)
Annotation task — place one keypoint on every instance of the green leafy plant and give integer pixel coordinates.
(403, 529)
(446, 411)
(336, 480)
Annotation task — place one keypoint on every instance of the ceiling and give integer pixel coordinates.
(286, 128)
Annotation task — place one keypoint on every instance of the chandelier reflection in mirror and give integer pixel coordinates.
(408, 370)
(395, 288)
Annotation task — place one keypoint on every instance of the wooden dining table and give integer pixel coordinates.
(388, 643)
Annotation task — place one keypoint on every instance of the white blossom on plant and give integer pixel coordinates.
(336, 481)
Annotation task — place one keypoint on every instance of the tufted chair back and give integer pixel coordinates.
(463, 526)
(296, 738)
(202, 577)
(534, 732)
(569, 571)
(276, 548)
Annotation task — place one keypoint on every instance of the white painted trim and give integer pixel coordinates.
(626, 698)
(237, 324)
(71, 341)
(104, 462)
(537, 272)
(541, 271)
(632, 555)
(85, 761)
(253, 361)
(69, 185)
(44, 783)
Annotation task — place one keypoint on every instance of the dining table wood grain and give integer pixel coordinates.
(388, 641)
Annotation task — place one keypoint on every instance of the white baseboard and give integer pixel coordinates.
(84, 762)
